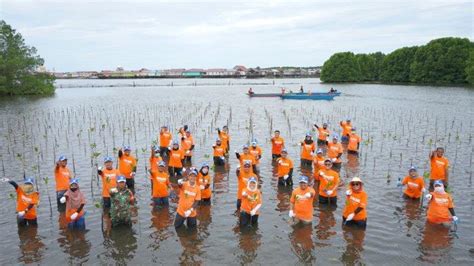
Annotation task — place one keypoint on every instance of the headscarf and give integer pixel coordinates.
(75, 199)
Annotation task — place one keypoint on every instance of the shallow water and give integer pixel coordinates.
(402, 123)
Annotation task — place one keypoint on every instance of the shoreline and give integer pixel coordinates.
(466, 85)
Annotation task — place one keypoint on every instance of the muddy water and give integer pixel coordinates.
(398, 124)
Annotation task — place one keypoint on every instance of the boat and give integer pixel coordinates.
(310, 96)
(264, 94)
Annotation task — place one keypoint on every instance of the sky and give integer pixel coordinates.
(74, 35)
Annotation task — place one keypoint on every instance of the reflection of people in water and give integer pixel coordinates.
(30, 244)
(120, 243)
(192, 244)
(302, 243)
(436, 243)
(74, 243)
(249, 242)
(354, 238)
(326, 222)
(161, 220)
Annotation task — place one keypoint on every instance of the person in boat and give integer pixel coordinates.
(75, 201)
(62, 176)
(301, 89)
(301, 202)
(440, 206)
(250, 92)
(26, 201)
(283, 91)
(121, 199)
(332, 90)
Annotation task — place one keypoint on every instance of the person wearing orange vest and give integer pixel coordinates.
(355, 210)
(189, 197)
(127, 166)
(242, 179)
(75, 201)
(354, 142)
(318, 163)
(301, 202)
(165, 141)
(440, 206)
(160, 186)
(307, 151)
(335, 151)
(109, 180)
(26, 201)
(187, 144)
(415, 185)
(62, 176)
(346, 130)
(219, 152)
(278, 143)
(251, 204)
(439, 167)
(285, 169)
(182, 131)
(323, 134)
(247, 156)
(204, 183)
(175, 164)
(328, 183)
(256, 151)
(224, 137)
(155, 159)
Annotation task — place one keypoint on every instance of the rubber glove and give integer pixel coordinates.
(348, 192)
(285, 177)
(291, 214)
(74, 216)
(333, 160)
(428, 197)
(113, 190)
(180, 181)
(455, 219)
(21, 214)
(307, 195)
(329, 192)
(62, 199)
(201, 187)
(350, 217)
(188, 212)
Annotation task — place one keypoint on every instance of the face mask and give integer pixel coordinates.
(157, 154)
(74, 189)
(439, 189)
(205, 170)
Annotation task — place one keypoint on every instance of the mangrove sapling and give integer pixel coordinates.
(46, 181)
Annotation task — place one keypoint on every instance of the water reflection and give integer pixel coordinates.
(435, 244)
(161, 219)
(120, 242)
(354, 238)
(352, 165)
(191, 244)
(31, 246)
(75, 244)
(327, 221)
(302, 245)
(249, 242)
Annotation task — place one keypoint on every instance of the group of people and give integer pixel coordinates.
(167, 173)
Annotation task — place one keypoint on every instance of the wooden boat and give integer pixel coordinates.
(264, 94)
(310, 96)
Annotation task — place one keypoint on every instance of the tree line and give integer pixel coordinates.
(442, 61)
(19, 64)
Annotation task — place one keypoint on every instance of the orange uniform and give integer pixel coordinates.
(328, 180)
(284, 166)
(438, 168)
(323, 134)
(62, 175)
(161, 182)
(303, 207)
(176, 157)
(243, 178)
(204, 180)
(127, 165)
(187, 196)
(219, 151)
(23, 201)
(257, 153)
(278, 143)
(354, 201)
(165, 139)
(186, 145)
(438, 208)
(251, 200)
(354, 141)
(225, 139)
(318, 164)
(346, 128)
(154, 161)
(70, 209)
(109, 180)
(414, 186)
(247, 157)
(307, 150)
(334, 150)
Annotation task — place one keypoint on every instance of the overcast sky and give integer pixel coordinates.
(97, 35)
